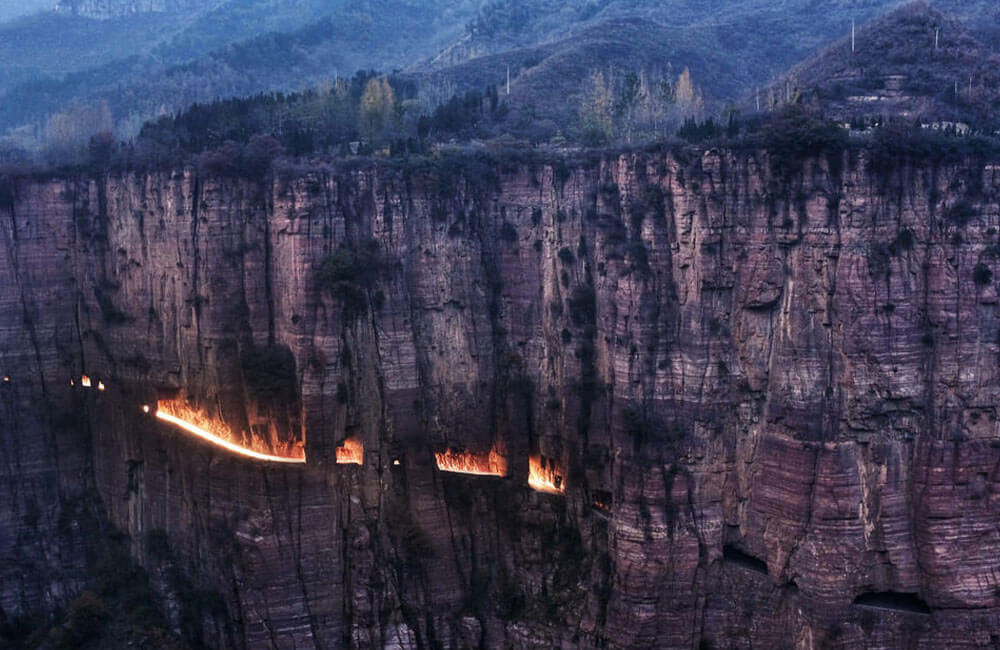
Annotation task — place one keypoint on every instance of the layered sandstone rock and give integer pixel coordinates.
(767, 396)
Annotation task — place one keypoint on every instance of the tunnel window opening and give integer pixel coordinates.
(491, 463)
(893, 600)
(601, 501)
(545, 475)
(351, 452)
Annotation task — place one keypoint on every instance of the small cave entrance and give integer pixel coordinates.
(743, 560)
(893, 600)
(601, 501)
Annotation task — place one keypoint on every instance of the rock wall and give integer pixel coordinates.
(769, 393)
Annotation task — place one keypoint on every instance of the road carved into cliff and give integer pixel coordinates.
(223, 443)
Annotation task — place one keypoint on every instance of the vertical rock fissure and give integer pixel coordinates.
(195, 296)
(268, 208)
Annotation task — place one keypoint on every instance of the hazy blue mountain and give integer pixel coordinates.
(172, 72)
(55, 43)
(114, 8)
(145, 64)
(11, 9)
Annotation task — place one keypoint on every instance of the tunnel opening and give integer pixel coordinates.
(545, 475)
(351, 452)
(744, 560)
(601, 501)
(893, 600)
(461, 461)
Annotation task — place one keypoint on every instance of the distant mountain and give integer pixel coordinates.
(112, 8)
(52, 44)
(10, 9)
(383, 34)
(914, 63)
(146, 64)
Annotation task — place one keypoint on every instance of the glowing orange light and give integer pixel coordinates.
(545, 476)
(602, 507)
(396, 462)
(145, 408)
(491, 463)
(100, 385)
(72, 383)
(217, 434)
(85, 381)
(352, 452)
(6, 379)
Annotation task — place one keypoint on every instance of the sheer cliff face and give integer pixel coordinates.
(767, 396)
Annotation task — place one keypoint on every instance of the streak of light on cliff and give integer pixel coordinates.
(200, 426)
(491, 463)
(545, 476)
(85, 381)
(352, 452)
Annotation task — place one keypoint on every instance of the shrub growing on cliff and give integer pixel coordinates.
(87, 616)
(982, 275)
(961, 213)
(795, 135)
(269, 372)
(347, 273)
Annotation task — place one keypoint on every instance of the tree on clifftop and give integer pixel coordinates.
(377, 104)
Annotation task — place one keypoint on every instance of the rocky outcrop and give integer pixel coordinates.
(771, 398)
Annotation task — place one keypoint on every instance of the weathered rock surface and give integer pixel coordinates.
(784, 388)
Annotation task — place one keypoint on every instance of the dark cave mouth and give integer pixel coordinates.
(743, 559)
(893, 600)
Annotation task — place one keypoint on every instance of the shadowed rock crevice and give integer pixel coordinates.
(900, 602)
(738, 558)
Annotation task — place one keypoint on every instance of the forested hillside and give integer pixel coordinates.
(597, 72)
(914, 63)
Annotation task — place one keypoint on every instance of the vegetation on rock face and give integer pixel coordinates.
(349, 273)
(117, 608)
(269, 372)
